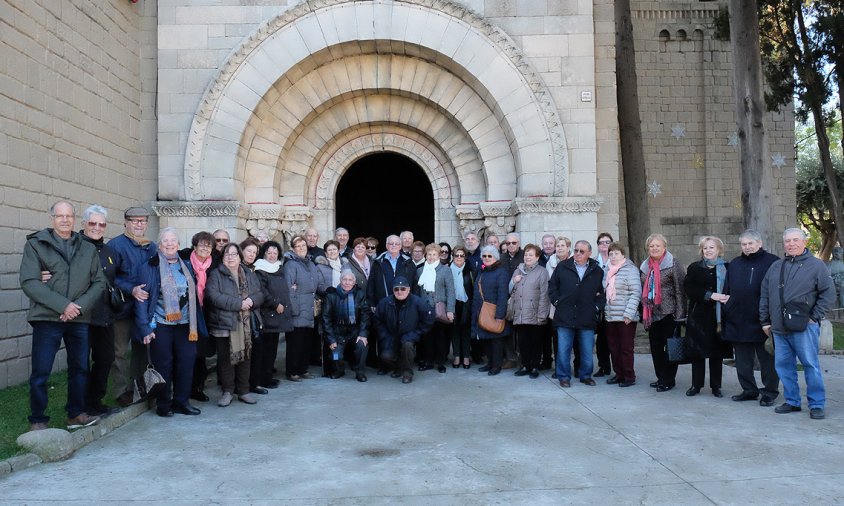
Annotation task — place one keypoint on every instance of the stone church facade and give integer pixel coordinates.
(247, 114)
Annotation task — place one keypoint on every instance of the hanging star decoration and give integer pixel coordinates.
(698, 162)
(777, 160)
(654, 188)
(678, 131)
(732, 140)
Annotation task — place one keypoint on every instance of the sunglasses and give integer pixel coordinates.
(96, 224)
(581, 251)
(486, 256)
(459, 255)
(511, 243)
(400, 289)
(604, 242)
(221, 240)
(370, 247)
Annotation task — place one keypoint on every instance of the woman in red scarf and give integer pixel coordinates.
(663, 304)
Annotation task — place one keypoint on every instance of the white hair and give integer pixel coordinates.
(794, 230)
(94, 209)
(492, 250)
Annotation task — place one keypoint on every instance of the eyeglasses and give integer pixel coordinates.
(605, 242)
(393, 244)
(581, 251)
(512, 243)
(459, 255)
(371, 247)
(219, 240)
(140, 221)
(400, 289)
(443, 252)
(96, 224)
(63, 216)
(486, 256)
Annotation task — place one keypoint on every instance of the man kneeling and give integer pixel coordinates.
(401, 320)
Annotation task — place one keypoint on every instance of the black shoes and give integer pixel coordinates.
(534, 373)
(199, 395)
(186, 410)
(692, 391)
(395, 374)
(164, 413)
(382, 371)
(816, 414)
(522, 371)
(766, 401)
(484, 368)
(360, 377)
(259, 390)
(745, 396)
(717, 392)
(625, 384)
(601, 373)
(654, 384)
(273, 383)
(424, 367)
(338, 374)
(588, 381)
(614, 380)
(786, 408)
(664, 388)
(441, 369)
(493, 372)
(406, 379)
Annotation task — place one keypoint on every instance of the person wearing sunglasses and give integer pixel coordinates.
(464, 279)
(221, 238)
(491, 286)
(434, 283)
(577, 292)
(602, 349)
(360, 263)
(401, 319)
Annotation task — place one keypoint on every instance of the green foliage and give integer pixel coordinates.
(721, 24)
(15, 403)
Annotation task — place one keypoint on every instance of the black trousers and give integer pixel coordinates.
(530, 344)
(401, 361)
(699, 371)
(460, 341)
(744, 369)
(264, 353)
(298, 350)
(602, 347)
(436, 344)
(548, 344)
(658, 334)
(495, 351)
(173, 356)
(101, 344)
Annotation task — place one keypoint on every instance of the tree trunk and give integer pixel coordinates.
(630, 134)
(750, 119)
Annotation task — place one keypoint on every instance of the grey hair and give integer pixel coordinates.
(750, 234)
(583, 242)
(516, 235)
(340, 229)
(392, 236)
(404, 233)
(467, 234)
(94, 209)
(168, 230)
(56, 204)
(347, 272)
(492, 250)
(547, 236)
(794, 230)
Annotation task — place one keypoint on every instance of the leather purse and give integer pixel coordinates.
(441, 314)
(486, 318)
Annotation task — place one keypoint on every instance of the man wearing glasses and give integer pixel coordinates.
(60, 310)
(401, 321)
(577, 292)
(221, 238)
(515, 255)
(131, 249)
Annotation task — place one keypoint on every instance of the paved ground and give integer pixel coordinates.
(463, 438)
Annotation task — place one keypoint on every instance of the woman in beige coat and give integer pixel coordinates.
(529, 296)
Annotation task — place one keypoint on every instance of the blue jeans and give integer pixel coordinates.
(565, 341)
(46, 340)
(802, 345)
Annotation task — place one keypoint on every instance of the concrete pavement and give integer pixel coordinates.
(463, 438)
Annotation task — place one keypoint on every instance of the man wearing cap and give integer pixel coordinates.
(401, 319)
(60, 310)
(130, 249)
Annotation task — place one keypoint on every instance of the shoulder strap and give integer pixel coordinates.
(782, 286)
(481, 287)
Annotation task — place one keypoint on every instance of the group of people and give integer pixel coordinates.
(411, 307)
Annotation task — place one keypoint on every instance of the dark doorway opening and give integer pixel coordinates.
(383, 194)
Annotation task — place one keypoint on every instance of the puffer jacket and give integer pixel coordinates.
(671, 279)
(77, 279)
(275, 289)
(330, 322)
(404, 321)
(129, 255)
(628, 294)
(493, 280)
(443, 288)
(305, 283)
(103, 315)
(530, 295)
(223, 300)
(577, 302)
(807, 279)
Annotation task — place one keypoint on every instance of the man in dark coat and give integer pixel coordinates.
(401, 320)
(577, 292)
(741, 319)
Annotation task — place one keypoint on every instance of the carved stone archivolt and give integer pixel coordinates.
(210, 101)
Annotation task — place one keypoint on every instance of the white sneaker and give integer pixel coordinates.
(225, 400)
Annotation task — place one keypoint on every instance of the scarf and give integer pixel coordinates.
(200, 268)
(170, 294)
(652, 291)
(428, 277)
(720, 275)
(459, 289)
(611, 274)
(140, 241)
(335, 265)
(264, 265)
(346, 306)
(241, 336)
(364, 266)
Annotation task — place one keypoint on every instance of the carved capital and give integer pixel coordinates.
(264, 219)
(295, 221)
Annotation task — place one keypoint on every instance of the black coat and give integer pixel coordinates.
(101, 314)
(223, 300)
(577, 302)
(513, 262)
(330, 322)
(381, 277)
(404, 321)
(276, 291)
(740, 315)
(468, 285)
(701, 323)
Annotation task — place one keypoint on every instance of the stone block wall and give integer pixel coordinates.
(688, 118)
(70, 110)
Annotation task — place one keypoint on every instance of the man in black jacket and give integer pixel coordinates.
(401, 320)
(741, 319)
(577, 292)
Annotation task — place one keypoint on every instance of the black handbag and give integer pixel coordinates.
(795, 313)
(116, 299)
(255, 325)
(676, 345)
